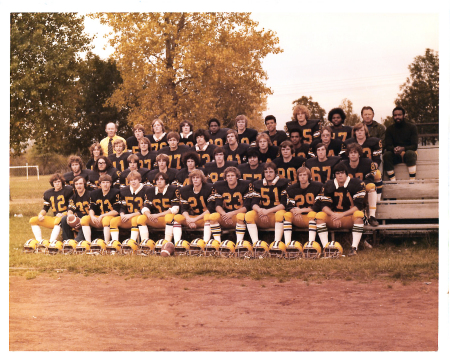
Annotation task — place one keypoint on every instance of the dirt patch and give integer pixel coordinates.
(101, 313)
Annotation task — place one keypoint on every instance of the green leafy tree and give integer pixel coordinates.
(317, 112)
(351, 119)
(190, 66)
(44, 59)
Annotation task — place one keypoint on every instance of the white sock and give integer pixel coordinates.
(279, 228)
(323, 233)
(134, 234)
(287, 228)
(37, 232)
(87, 233)
(206, 232)
(176, 232)
(253, 231)
(240, 232)
(312, 231)
(357, 232)
(143, 230)
(372, 198)
(55, 232)
(168, 233)
(107, 234)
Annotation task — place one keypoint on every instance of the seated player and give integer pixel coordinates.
(245, 134)
(339, 131)
(147, 157)
(268, 203)
(162, 162)
(334, 146)
(214, 171)
(342, 202)
(371, 146)
(287, 164)
(367, 171)
(161, 204)
(253, 170)
(79, 204)
(174, 150)
(186, 133)
(119, 158)
(196, 204)
(104, 205)
(56, 199)
(235, 150)
(190, 161)
(158, 139)
(232, 201)
(96, 150)
(217, 135)
(133, 165)
(133, 141)
(276, 136)
(301, 149)
(301, 198)
(131, 203)
(267, 152)
(76, 167)
(309, 129)
(203, 147)
(103, 166)
(321, 166)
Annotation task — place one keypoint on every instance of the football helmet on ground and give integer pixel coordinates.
(311, 250)
(277, 249)
(97, 247)
(227, 249)
(30, 246)
(69, 246)
(147, 247)
(83, 247)
(260, 249)
(332, 250)
(294, 250)
(212, 248)
(113, 247)
(129, 247)
(159, 244)
(197, 247)
(182, 248)
(42, 246)
(54, 247)
(244, 249)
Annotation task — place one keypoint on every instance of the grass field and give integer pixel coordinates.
(394, 260)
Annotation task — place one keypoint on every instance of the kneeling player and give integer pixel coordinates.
(342, 202)
(233, 200)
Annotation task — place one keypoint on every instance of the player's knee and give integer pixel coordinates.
(85, 220)
(179, 218)
(279, 215)
(134, 221)
(370, 187)
(377, 175)
(168, 218)
(288, 216)
(311, 215)
(214, 217)
(250, 217)
(358, 215)
(106, 221)
(240, 217)
(114, 223)
(57, 220)
(34, 220)
(321, 216)
(141, 220)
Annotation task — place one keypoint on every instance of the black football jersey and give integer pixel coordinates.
(189, 141)
(94, 176)
(269, 196)
(123, 181)
(302, 151)
(90, 164)
(343, 198)
(102, 204)
(334, 147)
(158, 202)
(150, 176)
(236, 198)
(272, 153)
(80, 204)
(206, 155)
(321, 171)
(365, 171)
(342, 133)
(239, 154)
(309, 131)
(197, 203)
(248, 137)
(158, 144)
(57, 201)
(175, 156)
(303, 198)
(372, 148)
(214, 173)
(147, 161)
(277, 138)
(219, 138)
(133, 144)
(120, 162)
(69, 176)
(247, 173)
(182, 177)
(288, 170)
(132, 202)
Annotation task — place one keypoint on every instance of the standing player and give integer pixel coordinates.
(133, 165)
(245, 134)
(253, 170)
(267, 152)
(186, 133)
(321, 166)
(309, 129)
(217, 135)
(276, 136)
(339, 131)
(334, 146)
(214, 171)
(203, 147)
(300, 148)
(56, 199)
(190, 161)
(133, 141)
(268, 203)
(162, 162)
(287, 164)
(371, 146)
(119, 158)
(174, 151)
(342, 202)
(146, 157)
(96, 150)
(76, 167)
(235, 150)
(158, 139)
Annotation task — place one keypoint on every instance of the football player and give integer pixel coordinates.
(197, 203)
(104, 205)
(321, 166)
(102, 167)
(342, 202)
(186, 133)
(174, 150)
(276, 136)
(287, 164)
(371, 146)
(235, 150)
(131, 203)
(162, 202)
(190, 161)
(367, 171)
(96, 150)
(232, 201)
(56, 199)
(301, 197)
(146, 156)
(76, 167)
(162, 162)
(253, 170)
(133, 165)
(309, 129)
(79, 205)
(268, 203)
(158, 139)
(339, 131)
(119, 158)
(217, 135)
(203, 147)
(214, 171)
(133, 141)
(300, 148)
(334, 146)
(267, 152)
(245, 134)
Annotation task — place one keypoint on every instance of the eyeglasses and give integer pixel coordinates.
(101, 163)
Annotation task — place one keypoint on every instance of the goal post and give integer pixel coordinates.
(25, 170)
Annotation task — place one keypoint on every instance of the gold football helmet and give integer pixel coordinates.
(42, 246)
(332, 250)
(311, 250)
(147, 247)
(113, 247)
(197, 247)
(129, 247)
(159, 244)
(69, 246)
(277, 249)
(30, 246)
(226, 249)
(260, 249)
(182, 248)
(212, 248)
(244, 249)
(98, 247)
(83, 247)
(54, 247)
(294, 250)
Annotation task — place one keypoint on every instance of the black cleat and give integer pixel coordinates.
(373, 221)
(352, 252)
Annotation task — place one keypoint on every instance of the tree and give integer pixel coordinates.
(190, 66)
(317, 112)
(351, 119)
(44, 60)
(420, 93)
